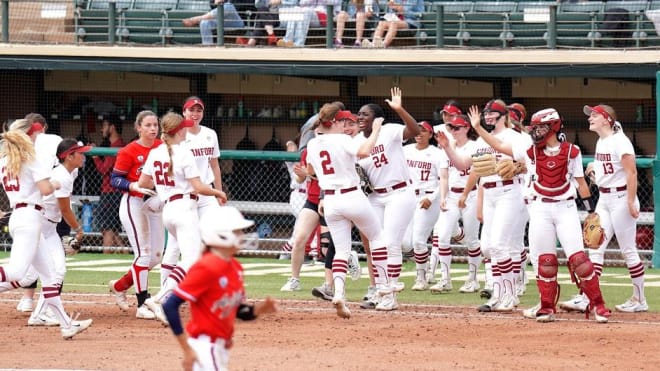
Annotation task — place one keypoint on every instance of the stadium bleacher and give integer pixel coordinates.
(493, 24)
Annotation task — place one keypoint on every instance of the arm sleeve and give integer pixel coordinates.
(119, 181)
(171, 309)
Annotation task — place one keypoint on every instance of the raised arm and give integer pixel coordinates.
(496, 143)
(412, 129)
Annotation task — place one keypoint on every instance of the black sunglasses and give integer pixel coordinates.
(454, 128)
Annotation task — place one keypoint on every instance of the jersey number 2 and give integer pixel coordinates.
(326, 163)
(160, 173)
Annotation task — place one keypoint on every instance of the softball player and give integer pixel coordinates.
(140, 214)
(26, 180)
(553, 213)
(425, 162)
(172, 169)
(453, 183)
(203, 144)
(393, 199)
(57, 206)
(332, 157)
(615, 172)
(214, 289)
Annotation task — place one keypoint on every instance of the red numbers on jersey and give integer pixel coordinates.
(425, 175)
(608, 168)
(160, 173)
(380, 160)
(10, 185)
(326, 163)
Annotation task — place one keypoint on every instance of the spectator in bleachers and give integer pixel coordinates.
(311, 13)
(265, 21)
(207, 22)
(400, 15)
(362, 11)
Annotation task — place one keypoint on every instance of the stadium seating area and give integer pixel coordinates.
(462, 23)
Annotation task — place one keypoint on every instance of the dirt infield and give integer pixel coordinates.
(307, 335)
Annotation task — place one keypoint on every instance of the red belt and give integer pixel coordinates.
(612, 190)
(392, 188)
(24, 204)
(460, 190)
(329, 192)
(420, 191)
(179, 196)
(551, 200)
(497, 184)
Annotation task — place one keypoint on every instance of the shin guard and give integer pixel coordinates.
(547, 282)
(582, 267)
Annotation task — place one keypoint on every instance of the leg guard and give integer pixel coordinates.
(329, 246)
(580, 266)
(547, 283)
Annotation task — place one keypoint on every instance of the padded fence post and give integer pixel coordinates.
(656, 177)
(112, 22)
(5, 21)
(552, 28)
(440, 26)
(329, 30)
(220, 27)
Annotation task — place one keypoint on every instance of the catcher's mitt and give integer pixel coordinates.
(71, 245)
(365, 183)
(506, 168)
(484, 165)
(592, 233)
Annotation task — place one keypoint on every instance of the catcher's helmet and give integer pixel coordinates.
(218, 228)
(548, 116)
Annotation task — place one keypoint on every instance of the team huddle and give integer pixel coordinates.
(488, 170)
(487, 177)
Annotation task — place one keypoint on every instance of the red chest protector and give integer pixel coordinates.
(551, 171)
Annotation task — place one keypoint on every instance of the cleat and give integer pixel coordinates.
(601, 313)
(399, 286)
(420, 285)
(342, 309)
(143, 312)
(76, 327)
(157, 310)
(632, 305)
(354, 269)
(371, 291)
(577, 303)
(324, 292)
(24, 305)
(531, 312)
(42, 320)
(387, 303)
(488, 307)
(292, 284)
(545, 315)
(440, 287)
(469, 286)
(505, 304)
(120, 296)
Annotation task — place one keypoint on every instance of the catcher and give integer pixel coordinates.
(553, 212)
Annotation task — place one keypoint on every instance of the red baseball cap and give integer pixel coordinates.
(426, 125)
(192, 102)
(451, 110)
(345, 115)
(599, 109)
(76, 147)
(186, 123)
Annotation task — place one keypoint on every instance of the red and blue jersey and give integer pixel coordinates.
(130, 161)
(214, 288)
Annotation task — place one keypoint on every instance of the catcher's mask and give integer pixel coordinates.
(493, 105)
(543, 124)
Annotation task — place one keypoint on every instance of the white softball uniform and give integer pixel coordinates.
(393, 199)
(204, 147)
(424, 167)
(46, 147)
(53, 215)
(553, 214)
(180, 215)
(612, 204)
(333, 158)
(448, 218)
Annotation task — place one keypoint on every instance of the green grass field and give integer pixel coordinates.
(90, 273)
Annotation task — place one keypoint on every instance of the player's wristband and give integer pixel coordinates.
(589, 204)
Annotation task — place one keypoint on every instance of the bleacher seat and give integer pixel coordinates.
(486, 29)
(91, 21)
(495, 6)
(454, 21)
(145, 22)
(573, 29)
